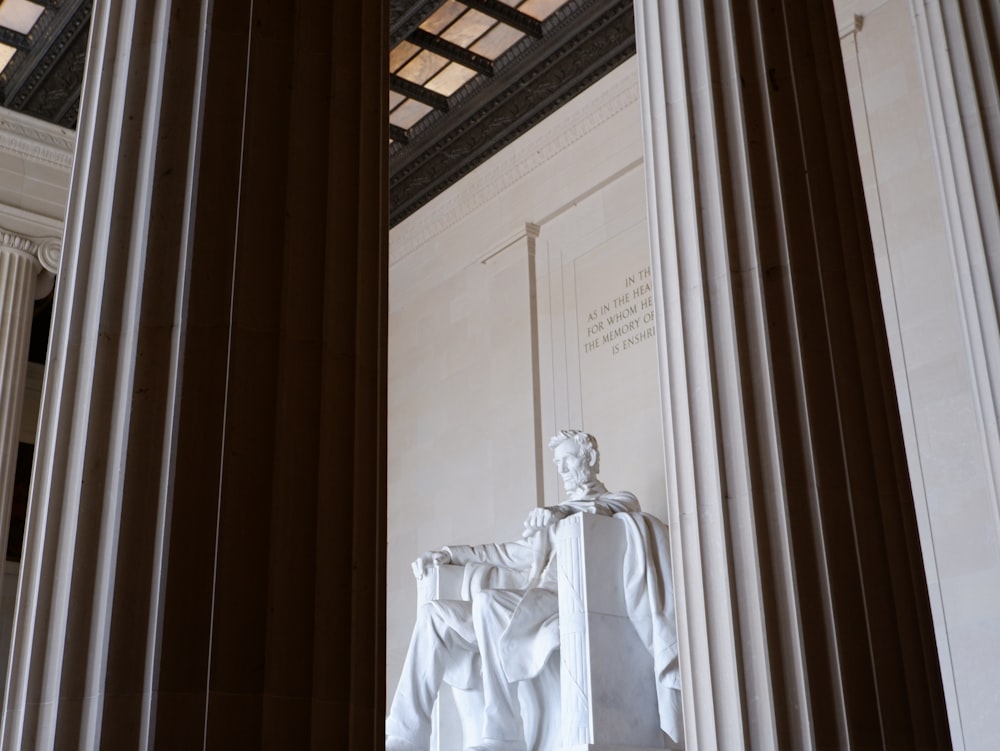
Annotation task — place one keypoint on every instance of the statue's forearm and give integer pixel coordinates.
(585, 507)
(512, 555)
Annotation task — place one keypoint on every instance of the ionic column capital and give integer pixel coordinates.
(46, 250)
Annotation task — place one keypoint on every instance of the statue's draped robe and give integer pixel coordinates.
(529, 567)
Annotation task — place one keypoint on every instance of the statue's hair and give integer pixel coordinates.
(586, 445)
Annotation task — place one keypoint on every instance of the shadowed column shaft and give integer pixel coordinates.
(205, 544)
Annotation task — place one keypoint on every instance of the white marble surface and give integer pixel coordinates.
(602, 655)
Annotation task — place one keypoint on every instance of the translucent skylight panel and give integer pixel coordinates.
(401, 54)
(19, 15)
(394, 99)
(451, 79)
(468, 28)
(6, 53)
(496, 41)
(438, 20)
(540, 9)
(408, 114)
(422, 67)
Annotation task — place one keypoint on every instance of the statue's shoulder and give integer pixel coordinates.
(621, 500)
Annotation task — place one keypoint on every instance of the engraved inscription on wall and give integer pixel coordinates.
(623, 321)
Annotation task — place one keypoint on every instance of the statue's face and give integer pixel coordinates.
(573, 467)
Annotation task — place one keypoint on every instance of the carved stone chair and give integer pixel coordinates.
(597, 692)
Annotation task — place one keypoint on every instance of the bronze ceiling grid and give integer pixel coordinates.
(448, 135)
(456, 41)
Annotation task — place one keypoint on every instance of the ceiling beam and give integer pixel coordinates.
(406, 15)
(452, 52)
(415, 91)
(398, 134)
(507, 15)
(14, 39)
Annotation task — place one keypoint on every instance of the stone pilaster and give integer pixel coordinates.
(802, 607)
(958, 42)
(958, 46)
(27, 266)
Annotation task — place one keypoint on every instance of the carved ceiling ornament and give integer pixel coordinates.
(45, 78)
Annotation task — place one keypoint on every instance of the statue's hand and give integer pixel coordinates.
(429, 560)
(540, 518)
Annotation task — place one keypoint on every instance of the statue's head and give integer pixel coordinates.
(577, 458)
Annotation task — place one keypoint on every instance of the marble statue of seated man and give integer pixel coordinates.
(508, 634)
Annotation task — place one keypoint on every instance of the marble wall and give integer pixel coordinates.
(35, 162)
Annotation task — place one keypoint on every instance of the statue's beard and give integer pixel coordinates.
(575, 479)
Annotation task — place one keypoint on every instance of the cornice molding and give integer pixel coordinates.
(36, 140)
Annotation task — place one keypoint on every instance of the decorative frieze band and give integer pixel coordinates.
(35, 140)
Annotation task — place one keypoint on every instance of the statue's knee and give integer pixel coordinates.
(483, 600)
(493, 603)
(427, 614)
(440, 615)
(481, 604)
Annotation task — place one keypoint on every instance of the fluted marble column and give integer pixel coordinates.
(802, 607)
(205, 541)
(27, 266)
